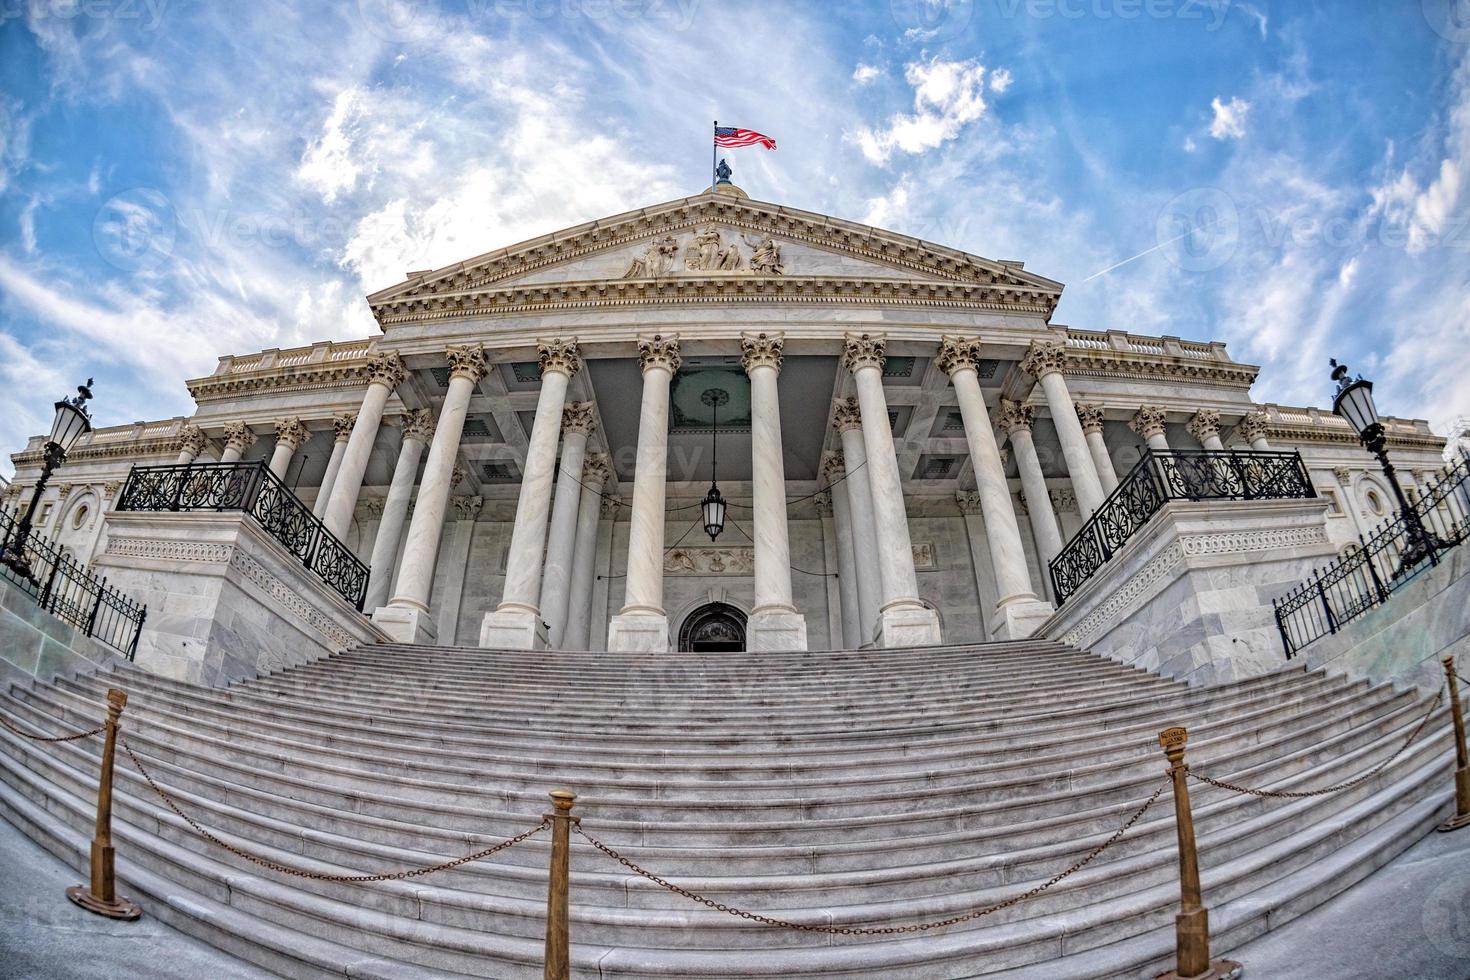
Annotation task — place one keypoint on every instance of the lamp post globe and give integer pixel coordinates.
(70, 422)
(1354, 403)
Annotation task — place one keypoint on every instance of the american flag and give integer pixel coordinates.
(732, 136)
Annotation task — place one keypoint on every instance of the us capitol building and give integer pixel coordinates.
(903, 440)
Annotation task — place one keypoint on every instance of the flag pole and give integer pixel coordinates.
(713, 155)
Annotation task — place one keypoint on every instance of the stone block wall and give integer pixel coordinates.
(36, 645)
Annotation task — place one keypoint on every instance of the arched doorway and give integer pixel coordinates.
(716, 627)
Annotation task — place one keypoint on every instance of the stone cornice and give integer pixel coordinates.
(1154, 367)
(817, 230)
(337, 374)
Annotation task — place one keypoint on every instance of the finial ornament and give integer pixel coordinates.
(1014, 416)
(1043, 358)
(386, 369)
(658, 351)
(562, 356)
(466, 361)
(238, 436)
(578, 417)
(1204, 424)
(864, 350)
(760, 350)
(1090, 416)
(1147, 421)
(418, 424)
(342, 426)
(957, 353)
(290, 432)
(847, 415)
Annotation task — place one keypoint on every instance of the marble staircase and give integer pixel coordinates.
(857, 788)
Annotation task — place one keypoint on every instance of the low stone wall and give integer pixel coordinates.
(1190, 595)
(1404, 639)
(35, 644)
(225, 600)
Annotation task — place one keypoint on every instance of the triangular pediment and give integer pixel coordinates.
(718, 238)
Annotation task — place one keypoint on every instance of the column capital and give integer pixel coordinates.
(834, 467)
(561, 356)
(1253, 426)
(238, 436)
(968, 501)
(608, 509)
(192, 438)
(596, 469)
(290, 432)
(658, 351)
(458, 475)
(1090, 416)
(418, 424)
(822, 503)
(386, 369)
(578, 417)
(846, 415)
(761, 350)
(1203, 424)
(957, 353)
(1343, 475)
(1014, 416)
(466, 361)
(110, 489)
(1064, 501)
(342, 426)
(864, 350)
(467, 508)
(1147, 421)
(1043, 358)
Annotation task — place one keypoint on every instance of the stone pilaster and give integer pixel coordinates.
(577, 423)
(1016, 420)
(342, 426)
(1091, 419)
(418, 428)
(1046, 362)
(596, 470)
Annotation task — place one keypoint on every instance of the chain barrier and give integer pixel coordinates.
(1324, 791)
(878, 930)
(53, 738)
(313, 875)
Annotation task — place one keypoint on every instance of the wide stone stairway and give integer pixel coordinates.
(870, 789)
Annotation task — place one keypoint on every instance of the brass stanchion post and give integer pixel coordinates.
(558, 956)
(1462, 758)
(102, 896)
(1192, 924)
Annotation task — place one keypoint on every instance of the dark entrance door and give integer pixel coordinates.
(715, 628)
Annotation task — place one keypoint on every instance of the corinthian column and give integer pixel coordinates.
(1252, 428)
(290, 434)
(1204, 425)
(1090, 417)
(238, 438)
(418, 426)
(1044, 362)
(578, 632)
(192, 442)
(1149, 423)
(1018, 611)
(576, 425)
(385, 373)
(848, 420)
(774, 622)
(847, 570)
(406, 617)
(342, 426)
(516, 624)
(1016, 420)
(642, 624)
(903, 619)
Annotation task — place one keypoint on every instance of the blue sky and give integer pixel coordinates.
(181, 180)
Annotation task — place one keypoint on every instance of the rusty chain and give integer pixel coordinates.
(879, 930)
(55, 738)
(1324, 791)
(313, 875)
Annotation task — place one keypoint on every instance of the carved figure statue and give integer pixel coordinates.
(703, 253)
(765, 256)
(657, 259)
(723, 172)
(729, 259)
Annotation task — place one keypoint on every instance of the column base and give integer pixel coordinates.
(908, 626)
(775, 631)
(406, 624)
(638, 633)
(513, 629)
(1019, 616)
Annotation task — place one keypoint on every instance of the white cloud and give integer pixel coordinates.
(1229, 121)
(327, 165)
(1000, 80)
(1190, 145)
(947, 96)
(864, 74)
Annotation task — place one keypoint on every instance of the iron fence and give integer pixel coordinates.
(1379, 565)
(68, 590)
(1173, 474)
(253, 489)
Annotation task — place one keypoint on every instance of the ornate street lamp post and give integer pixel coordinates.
(70, 423)
(1354, 402)
(713, 504)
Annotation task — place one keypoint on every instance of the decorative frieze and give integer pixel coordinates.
(579, 417)
(291, 432)
(658, 351)
(386, 369)
(1147, 421)
(561, 356)
(342, 426)
(958, 352)
(466, 361)
(1204, 424)
(1043, 358)
(709, 561)
(864, 350)
(419, 424)
(846, 415)
(1014, 416)
(238, 436)
(760, 350)
(1091, 417)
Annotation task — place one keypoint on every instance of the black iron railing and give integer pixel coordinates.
(1379, 565)
(255, 490)
(1174, 474)
(66, 589)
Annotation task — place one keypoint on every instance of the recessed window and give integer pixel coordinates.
(80, 516)
(1375, 503)
(1334, 506)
